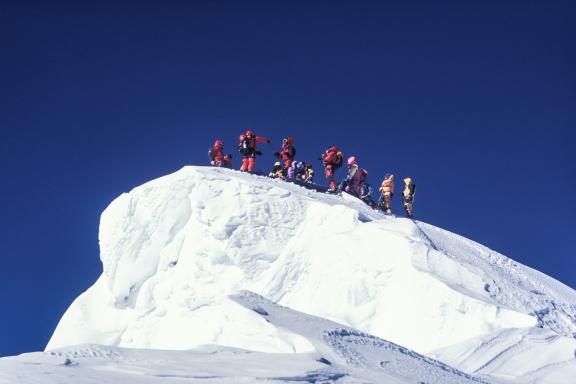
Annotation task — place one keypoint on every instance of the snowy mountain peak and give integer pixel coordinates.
(174, 249)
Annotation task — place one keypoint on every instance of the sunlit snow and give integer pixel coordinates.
(177, 251)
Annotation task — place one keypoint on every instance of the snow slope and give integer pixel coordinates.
(174, 249)
(342, 355)
(354, 353)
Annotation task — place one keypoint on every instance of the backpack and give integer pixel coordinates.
(339, 160)
(292, 152)
(244, 147)
(364, 175)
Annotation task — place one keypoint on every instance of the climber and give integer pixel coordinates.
(300, 173)
(408, 196)
(332, 160)
(290, 172)
(356, 176)
(387, 192)
(309, 173)
(216, 155)
(296, 171)
(288, 152)
(366, 195)
(277, 172)
(247, 149)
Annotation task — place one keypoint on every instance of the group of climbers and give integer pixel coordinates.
(298, 171)
(292, 170)
(387, 192)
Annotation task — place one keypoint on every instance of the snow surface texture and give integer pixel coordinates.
(175, 248)
(342, 355)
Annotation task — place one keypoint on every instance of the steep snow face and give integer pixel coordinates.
(174, 249)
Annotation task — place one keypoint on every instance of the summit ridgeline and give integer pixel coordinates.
(175, 249)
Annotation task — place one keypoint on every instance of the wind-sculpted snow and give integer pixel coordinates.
(89, 364)
(529, 355)
(358, 354)
(173, 250)
(342, 355)
(504, 281)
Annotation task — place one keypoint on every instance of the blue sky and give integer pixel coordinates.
(476, 101)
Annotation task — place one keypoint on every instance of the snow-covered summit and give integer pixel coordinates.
(174, 249)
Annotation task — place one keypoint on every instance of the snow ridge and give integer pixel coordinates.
(175, 248)
(547, 299)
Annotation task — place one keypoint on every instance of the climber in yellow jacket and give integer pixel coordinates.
(386, 193)
(277, 172)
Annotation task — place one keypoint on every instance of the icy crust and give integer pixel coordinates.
(173, 250)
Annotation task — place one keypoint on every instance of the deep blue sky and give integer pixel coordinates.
(475, 100)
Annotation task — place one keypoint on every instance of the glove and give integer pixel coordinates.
(229, 156)
(276, 154)
(268, 141)
(258, 153)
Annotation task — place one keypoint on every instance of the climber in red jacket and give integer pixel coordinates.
(217, 157)
(247, 149)
(332, 160)
(288, 153)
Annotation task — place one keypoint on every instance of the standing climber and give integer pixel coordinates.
(356, 176)
(408, 196)
(247, 149)
(217, 157)
(288, 152)
(387, 192)
(332, 160)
